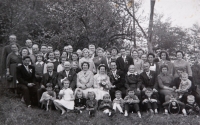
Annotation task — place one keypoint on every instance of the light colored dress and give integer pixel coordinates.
(85, 78)
(66, 99)
(98, 89)
(90, 61)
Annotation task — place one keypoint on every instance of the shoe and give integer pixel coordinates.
(125, 114)
(121, 113)
(156, 111)
(80, 111)
(29, 106)
(139, 115)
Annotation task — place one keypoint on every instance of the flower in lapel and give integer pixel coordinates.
(150, 76)
(30, 70)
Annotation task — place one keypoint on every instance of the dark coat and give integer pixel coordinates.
(148, 82)
(24, 77)
(50, 79)
(72, 77)
(123, 66)
(118, 82)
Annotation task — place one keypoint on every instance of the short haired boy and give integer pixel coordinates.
(131, 103)
(150, 101)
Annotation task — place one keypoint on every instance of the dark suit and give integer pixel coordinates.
(71, 77)
(118, 82)
(148, 82)
(105, 61)
(123, 66)
(24, 77)
(47, 79)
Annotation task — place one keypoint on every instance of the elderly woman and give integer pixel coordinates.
(102, 83)
(85, 79)
(165, 61)
(86, 58)
(164, 82)
(138, 63)
(180, 63)
(13, 60)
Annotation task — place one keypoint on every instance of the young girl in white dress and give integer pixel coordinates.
(66, 96)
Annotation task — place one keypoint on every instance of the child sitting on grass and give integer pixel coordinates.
(91, 104)
(66, 98)
(131, 103)
(106, 105)
(118, 102)
(48, 97)
(191, 106)
(150, 101)
(79, 102)
(174, 106)
(184, 85)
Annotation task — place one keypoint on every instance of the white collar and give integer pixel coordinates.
(52, 61)
(124, 56)
(39, 63)
(135, 73)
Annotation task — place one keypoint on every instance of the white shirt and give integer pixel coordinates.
(67, 73)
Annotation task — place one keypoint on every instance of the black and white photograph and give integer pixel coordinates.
(99, 62)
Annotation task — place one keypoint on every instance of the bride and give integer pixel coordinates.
(102, 83)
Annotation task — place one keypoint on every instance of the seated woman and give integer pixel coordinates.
(102, 83)
(164, 82)
(85, 79)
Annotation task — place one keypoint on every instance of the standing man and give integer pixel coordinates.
(29, 45)
(124, 61)
(35, 49)
(5, 52)
(26, 79)
(92, 49)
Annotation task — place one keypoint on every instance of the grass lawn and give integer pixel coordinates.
(14, 112)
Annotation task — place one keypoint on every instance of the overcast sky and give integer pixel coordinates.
(183, 13)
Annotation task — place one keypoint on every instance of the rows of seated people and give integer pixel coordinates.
(125, 80)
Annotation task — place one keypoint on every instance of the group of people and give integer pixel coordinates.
(125, 80)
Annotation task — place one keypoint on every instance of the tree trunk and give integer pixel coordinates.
(134, 30)
(150, 30)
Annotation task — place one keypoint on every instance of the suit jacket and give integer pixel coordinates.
(117, 81)
(105, 61)
(46, 79)
(23, 76)
(148, 82)
(72, 77)
(123, 66)
(132, 81)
